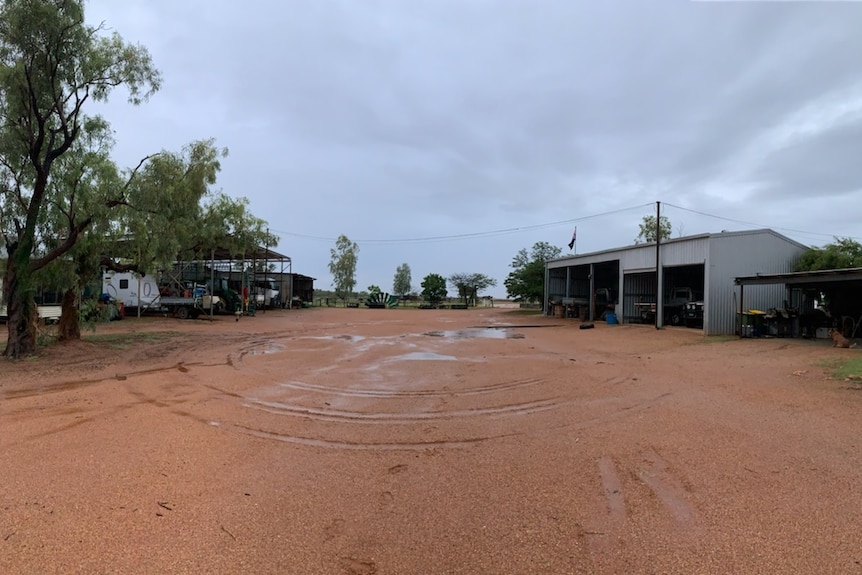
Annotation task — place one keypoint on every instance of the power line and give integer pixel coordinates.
(754, 224)
(474, 235)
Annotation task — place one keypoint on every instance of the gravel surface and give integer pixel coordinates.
(357, 441)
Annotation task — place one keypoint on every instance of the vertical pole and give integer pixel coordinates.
(592, 297)
(266, 271)
(212, 282)
(139, 286)
(659, 296)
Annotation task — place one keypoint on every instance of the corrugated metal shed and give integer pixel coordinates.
(719, 258)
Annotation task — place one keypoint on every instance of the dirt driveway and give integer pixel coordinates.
(427, 441)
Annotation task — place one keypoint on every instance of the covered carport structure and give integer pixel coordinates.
(819, 299)
(249, 267)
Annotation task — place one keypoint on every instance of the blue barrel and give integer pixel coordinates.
(611, 318)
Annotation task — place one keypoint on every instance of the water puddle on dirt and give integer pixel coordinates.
(476, 332)
(353, 338)
(422, 356)
(265, 349)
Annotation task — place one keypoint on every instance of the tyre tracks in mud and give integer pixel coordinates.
(638, 493)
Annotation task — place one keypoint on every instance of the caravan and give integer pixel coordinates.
(142, 292)
(132, 290)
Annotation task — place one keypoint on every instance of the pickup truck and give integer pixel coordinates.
(692, 314)
(674, 306)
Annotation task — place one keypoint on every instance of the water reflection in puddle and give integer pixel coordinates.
(265, 349)
(353, 338)
(486, 333)
(422, 356)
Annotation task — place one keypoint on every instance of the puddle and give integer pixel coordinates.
(265, 349)
(353, 338)
(476, 332)
(422, 356)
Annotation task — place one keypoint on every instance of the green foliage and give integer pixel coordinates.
(374, 289)
(401, 283)
(228, 223)
(527, 281)
(527, 284)
(51, 64)
(342, 266)
(842, 253)
(161, 213)
(648, 233)
(468, 286)
(434, 288)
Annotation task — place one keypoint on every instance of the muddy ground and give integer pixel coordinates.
(357, 441)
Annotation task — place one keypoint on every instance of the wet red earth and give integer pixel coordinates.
(358, 441)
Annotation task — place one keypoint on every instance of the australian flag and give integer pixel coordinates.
(574, 238)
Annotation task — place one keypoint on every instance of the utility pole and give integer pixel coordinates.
(659, 296)
(266, 272)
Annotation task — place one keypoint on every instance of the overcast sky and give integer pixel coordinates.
(505, 122)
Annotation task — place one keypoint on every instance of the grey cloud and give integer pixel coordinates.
(409, 119)
(818, 167)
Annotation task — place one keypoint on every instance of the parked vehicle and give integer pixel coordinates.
(674, 306)
(693, 314)
(266, 293)
(47, 313)
(604, 302)
(143, 292)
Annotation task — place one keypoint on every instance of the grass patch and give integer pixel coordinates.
(124, 340)
(525, 311)
(712, 339)
(843, 368)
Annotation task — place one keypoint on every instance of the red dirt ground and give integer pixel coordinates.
(362, 442)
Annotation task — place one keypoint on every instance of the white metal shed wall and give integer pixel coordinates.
(725, 256)
(637, 258)
(685, 252)
(735, 254)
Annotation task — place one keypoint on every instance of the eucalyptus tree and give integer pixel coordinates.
(433, 288)
(227, 223)
(342, 266)
(84, 188)
(842, 253)
(527, 281)
(51, 64)
(648, 231)
(468, 285)
(163, 210)
(401, 283)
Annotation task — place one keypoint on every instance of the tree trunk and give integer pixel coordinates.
(69, 327)
(21, 311)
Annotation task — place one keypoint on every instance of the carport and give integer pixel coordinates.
(820, 299)
(581, 282)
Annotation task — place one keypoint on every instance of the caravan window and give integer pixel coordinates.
(124, 284)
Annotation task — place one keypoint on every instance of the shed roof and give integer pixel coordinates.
(803, 279)
(256, 253)
(711, 236)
